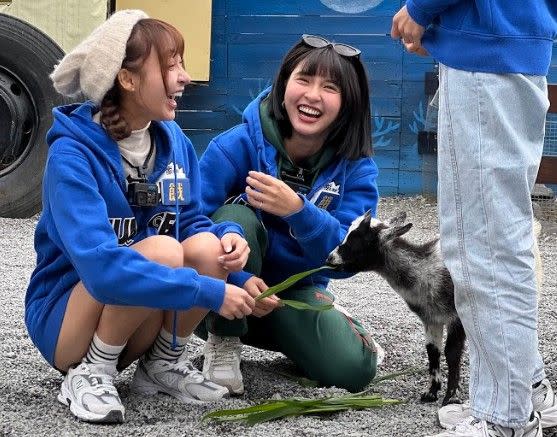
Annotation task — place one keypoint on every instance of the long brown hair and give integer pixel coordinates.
(147, 34)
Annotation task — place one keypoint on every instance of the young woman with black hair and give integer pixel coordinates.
(295, 174)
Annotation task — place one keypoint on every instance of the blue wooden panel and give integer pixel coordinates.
(386, 159)
(249, 39)
(218, 8)
(295, 7)
(387, 178)
(204, 120)
(388, 191)
(298, 25)
(410, 182)
(201, 138)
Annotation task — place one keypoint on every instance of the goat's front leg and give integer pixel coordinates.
(434, 342)
(453, 354)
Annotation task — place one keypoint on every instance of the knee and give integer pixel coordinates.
(349, 370)
(161, 249)
(352, 373)
(201, 252)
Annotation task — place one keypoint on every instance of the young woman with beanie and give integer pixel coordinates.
(295, 174)
(127, 264)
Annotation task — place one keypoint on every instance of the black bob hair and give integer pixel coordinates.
(350, 133)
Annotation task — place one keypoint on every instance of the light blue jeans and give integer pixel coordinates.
(490, 136)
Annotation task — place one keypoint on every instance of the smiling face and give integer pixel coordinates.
(147, 96)
(312, 104)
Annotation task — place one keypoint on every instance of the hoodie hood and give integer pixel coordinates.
(75, 122)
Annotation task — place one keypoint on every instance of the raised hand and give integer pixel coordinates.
(272, 195)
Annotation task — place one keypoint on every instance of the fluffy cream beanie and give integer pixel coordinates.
(91, 67)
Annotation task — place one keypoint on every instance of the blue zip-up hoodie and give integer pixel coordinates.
(492, 36)
(343, 191)
(87, 224)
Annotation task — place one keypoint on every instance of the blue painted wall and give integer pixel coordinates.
(249, 39)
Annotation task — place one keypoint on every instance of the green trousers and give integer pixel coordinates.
(329, 347)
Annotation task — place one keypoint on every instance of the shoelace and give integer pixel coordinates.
(467, 424)
(226, 353)
(101, 384)
(186, 367)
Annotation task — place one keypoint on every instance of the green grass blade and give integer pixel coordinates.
(277, 413)
(306, 306)
(242, 413)
(271, 410)
(288, 282)
(394, 375)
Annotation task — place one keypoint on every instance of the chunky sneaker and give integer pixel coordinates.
(89, 392)
(543, 400)
(179, 379)
(471, 427)
(222, 362)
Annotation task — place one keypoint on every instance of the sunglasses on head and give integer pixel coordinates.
(342, 49)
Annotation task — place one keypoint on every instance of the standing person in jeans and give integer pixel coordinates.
(494, 56)
(295, 174)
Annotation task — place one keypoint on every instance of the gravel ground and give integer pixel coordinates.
(28, 387)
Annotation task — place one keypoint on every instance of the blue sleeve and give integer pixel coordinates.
(319, 231)
(114, 274)
(223, 175)
(238, 278)
(193, 218)
(424, 12)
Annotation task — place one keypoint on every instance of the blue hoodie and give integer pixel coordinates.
(301, 241)
(87, 226)
(492, 36)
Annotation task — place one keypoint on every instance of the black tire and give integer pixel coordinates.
(27, 57)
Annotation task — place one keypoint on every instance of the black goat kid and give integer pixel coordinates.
(417, 273)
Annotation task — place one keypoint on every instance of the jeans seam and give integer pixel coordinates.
(489, 239)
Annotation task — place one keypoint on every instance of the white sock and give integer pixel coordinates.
(101, 353)
(162, 347)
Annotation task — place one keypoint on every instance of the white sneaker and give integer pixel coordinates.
(90, 393)
(543, 401)
(222, 362)
(471, 427)
(179, 379)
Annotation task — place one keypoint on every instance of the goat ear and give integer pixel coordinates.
(397, 231)
(398, 220)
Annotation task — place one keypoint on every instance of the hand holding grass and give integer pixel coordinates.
(255, 286)
(289, 282)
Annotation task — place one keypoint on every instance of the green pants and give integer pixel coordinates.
(327, 346)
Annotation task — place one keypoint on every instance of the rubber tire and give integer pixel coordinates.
(30, 55)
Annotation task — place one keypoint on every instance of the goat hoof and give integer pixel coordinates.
(428, 397)
(451, 400)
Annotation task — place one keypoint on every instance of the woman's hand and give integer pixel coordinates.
(237, 303)
(272, 195)
(236, 251)
(255, 286)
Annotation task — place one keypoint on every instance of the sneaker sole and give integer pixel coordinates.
(237, 390)
(549, 417)
(113, 416)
